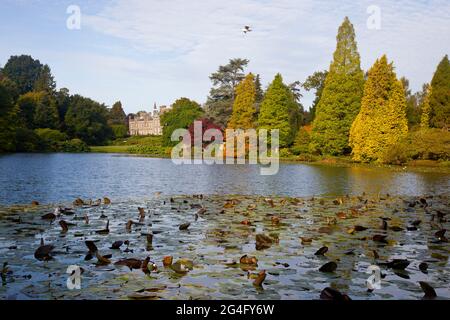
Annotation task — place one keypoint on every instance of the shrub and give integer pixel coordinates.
(119, 130)
(74, 145)
(50, 139)
(424, 144)
(301, 143)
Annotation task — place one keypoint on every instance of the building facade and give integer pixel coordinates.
(146, 123)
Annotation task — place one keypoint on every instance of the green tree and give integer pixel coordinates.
(45, 81)
(382, 120)
(440, 96)
(46, 112)
(181, 115)
(315, 82)
(7, 114)
(116, 114)
(259, 91)
(341, 97)
(425, 117)
(62, 99)
(87, 120)
(24, 71)
(280, 111)
(244, 111)
(219, 105)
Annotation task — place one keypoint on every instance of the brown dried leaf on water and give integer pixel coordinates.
(275, 220)
(48, 216)
(360, 228)
(333, 294)
(131, 263)
(248, 260)
(321, 251)
(338, 201)
(396, 228)
(64, 226)
(379, 238)
(43, 252)
(328, 267)
(141, 212)
(260, 278)
(167, 261)
(263, 241)
(251, 206)
(78, 202)
(246, 223)
(429, 291)
(184, 226)
(341, 215)
(423, 266)
(91, 246)
(34, 203)
(270, 202)
(117, 244)
(106, 200)
(305, 240)
(102, 260)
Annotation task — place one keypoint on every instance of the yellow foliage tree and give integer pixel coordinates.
(382, 120)
(426, 108)
(244, 110)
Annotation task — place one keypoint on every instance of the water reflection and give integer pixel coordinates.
(62, 177)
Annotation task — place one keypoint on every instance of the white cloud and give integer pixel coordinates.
(179, 43)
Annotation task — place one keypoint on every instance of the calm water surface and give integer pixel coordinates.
(62, 177)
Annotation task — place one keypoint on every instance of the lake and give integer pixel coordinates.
(50, 178)
(297, 212)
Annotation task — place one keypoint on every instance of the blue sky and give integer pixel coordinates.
(141, 52)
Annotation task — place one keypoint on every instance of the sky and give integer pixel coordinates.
(143, 52)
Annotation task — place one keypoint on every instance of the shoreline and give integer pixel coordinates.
(344, 162)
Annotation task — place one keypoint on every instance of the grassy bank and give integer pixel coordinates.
(151, 146)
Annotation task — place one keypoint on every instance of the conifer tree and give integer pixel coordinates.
(341, 97)
(382, 120)
(243, 116)
(280, 111)
(425, 117)
(440, 96)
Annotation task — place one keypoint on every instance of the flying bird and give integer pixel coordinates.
(247, 29)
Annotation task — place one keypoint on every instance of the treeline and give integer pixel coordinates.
(370, 116)
(34, 116)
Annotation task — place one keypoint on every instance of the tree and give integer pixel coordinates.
(219, 104)
(316, 82)
(87, 120)
(280, 111)
(425, 117)
(381, 122)
(259, 91)
(24, 71)
(181, 115)
(116, 114)
(7, 123)
(341, 97)
(46, 112)
(45, 81)
(244, 111)
(412, 104)
(440, 96)
(62, 100)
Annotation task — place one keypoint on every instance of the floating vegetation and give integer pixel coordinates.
(228, 247)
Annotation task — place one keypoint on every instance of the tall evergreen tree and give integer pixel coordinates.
(259, 91)
(280, 111)
(244, 111)
(219, 104)
(45, 81)
(341, 97)
(382, 120)
(440, 96)
(425, 117)
(116, 114)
